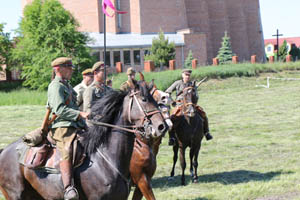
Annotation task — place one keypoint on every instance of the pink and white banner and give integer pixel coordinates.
(108, 3)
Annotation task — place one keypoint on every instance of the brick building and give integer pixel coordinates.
(196, 25)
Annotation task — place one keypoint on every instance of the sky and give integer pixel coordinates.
(275, 14)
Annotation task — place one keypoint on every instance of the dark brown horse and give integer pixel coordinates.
(143, 160)
(189, 133)
(105, 172)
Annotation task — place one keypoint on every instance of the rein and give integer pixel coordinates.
(117, 127)
(114, 168)
(146, 114)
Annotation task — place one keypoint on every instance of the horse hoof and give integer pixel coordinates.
(195, 181)
(170, 178)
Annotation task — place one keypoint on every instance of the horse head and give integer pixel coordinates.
(164, 101)
(143, 111)
(190, 98)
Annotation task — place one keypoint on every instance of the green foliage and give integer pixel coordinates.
(188, 60)
(6, 46)
(161, 51)
(295, 53)
(225, 52)
(48, 31)
(283, 51)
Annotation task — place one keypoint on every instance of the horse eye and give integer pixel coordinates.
(163, 98)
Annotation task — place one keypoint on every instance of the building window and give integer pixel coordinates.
(269, 49)
(96, 55)
(127, 58)
(117, 57)
(107, 58)
(119, 15)
(137, 57)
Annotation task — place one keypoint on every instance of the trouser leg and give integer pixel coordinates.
(207, 134)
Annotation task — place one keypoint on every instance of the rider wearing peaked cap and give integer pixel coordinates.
(131, 83)
(62, 101)
(87, 79)
(179, 87)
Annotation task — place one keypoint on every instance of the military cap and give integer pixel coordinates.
(187, 71)
(62, 62)
(97, 66)
(130, 71)
(87, 72)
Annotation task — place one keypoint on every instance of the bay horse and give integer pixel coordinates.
(105, 172)
(189, 132)
(143, 159)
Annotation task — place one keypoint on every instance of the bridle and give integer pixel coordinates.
(185, 103)
(145, 122)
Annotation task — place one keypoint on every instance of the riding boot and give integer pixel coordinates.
(208, 136)
(70, 192)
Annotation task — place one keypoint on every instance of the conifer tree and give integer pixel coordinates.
(188, 60)
(283, 51)
(225, 52)
(161, 51)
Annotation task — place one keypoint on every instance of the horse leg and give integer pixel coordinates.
(175, 157)
(191, 162)
(137, 195)
(144, 186)
(195, 164)
(183, 164)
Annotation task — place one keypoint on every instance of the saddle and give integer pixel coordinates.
(46, 156)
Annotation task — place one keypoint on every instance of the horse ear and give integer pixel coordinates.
(142, 78)
(194, 83)
(151, 85)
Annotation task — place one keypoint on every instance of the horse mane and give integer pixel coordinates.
(104, 110)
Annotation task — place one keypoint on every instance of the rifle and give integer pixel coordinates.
(199, 83)
(46, 122)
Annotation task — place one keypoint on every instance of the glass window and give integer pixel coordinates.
(269, 49)
(96, 55)
(137, 57)
(119, 15)
(107, 58)
(117, 57)
(127, 58)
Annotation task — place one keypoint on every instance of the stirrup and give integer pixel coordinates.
(71, 193)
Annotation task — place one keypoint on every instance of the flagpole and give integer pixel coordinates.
(104, 30)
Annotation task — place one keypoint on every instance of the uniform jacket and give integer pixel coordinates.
(62, 101)
(178, 86)
(79, 89)
(93, 92)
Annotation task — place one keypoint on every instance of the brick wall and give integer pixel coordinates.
(197, 43)
(162, 14)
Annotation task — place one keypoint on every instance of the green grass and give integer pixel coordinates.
(23, 97)
(255, 153)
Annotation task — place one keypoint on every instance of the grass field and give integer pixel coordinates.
(255, 153)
